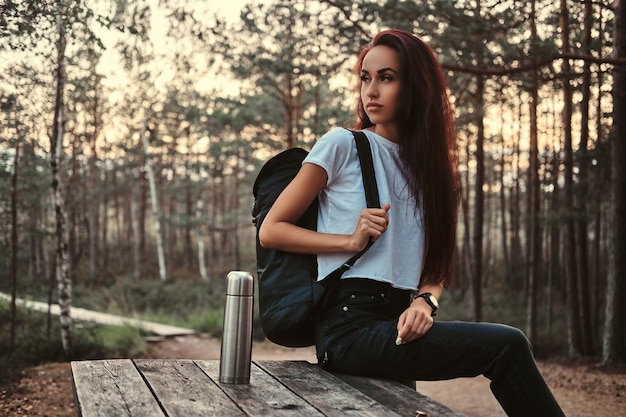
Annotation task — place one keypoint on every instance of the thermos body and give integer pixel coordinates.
(236, 349)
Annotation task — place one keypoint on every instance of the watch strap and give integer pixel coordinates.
(426, 296)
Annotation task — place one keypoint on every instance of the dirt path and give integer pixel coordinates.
(582, 390)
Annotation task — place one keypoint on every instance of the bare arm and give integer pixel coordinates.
(416, 320)
(279, 231)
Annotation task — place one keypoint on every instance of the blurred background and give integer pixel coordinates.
(131, 133)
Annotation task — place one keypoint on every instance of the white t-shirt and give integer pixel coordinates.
(397, 257)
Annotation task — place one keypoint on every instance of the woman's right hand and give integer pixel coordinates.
(372, 224)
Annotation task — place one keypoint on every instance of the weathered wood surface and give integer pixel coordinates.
(184, 390)
(112, 388)
(263, 396)
(327, 393)
(398, 397)
(188, 388)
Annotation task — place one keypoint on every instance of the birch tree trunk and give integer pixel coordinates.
(156, 215)
(201, 260)
(56, 151)
(14, 241)
(93, 206)
(614, 345)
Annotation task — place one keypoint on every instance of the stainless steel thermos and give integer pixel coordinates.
(236, 352)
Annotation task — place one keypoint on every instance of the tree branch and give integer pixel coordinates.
(500, 71)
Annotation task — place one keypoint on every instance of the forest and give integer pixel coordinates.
(131, 133)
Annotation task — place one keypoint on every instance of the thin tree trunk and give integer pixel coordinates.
(555, 242)
(156, 215)
(582, 254)
(534, 248)
(212, 211)
(573, 310)
(479, 207)
(104, 221)
(170, 231)
(142, 201)
(503, 223)
(56, 151)
(514, 209)
(199, 238)
(189, 207)
(614, 345)
(49, 271)
(14, 240)
(235, 210)
(599, 234)
(467, 244)
(93, 204)
(135, 241)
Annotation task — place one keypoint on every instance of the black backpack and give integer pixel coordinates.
(289, 293)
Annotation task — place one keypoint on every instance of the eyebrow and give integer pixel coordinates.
(381, 71)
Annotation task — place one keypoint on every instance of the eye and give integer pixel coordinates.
(365, 78)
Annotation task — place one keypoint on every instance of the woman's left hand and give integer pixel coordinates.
(415, 322)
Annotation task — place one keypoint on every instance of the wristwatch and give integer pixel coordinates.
(431, 300)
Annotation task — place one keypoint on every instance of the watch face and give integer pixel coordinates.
(434, 301)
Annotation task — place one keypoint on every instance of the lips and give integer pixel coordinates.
(373, 106)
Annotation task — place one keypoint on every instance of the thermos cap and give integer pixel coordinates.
(240, 283)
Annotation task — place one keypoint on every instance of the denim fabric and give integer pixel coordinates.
(356, 333)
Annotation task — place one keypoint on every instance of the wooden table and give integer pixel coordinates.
(187, 388)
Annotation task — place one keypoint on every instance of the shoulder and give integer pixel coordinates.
(337, 143)
(332, 151)
(338, 137)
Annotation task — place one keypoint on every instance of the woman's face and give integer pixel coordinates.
(380, 89)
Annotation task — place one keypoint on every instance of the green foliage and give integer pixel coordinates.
(108, 341)
(172, 301)
(209, 322)
(38, 341)
(32, 344)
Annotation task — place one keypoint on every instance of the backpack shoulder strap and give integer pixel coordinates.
(367, 169)
(371, 195)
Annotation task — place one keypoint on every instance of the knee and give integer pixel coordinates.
(515, 340)
(514, 352)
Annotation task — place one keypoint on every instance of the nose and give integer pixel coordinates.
(372, 90)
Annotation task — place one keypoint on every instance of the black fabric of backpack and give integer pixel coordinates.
(289, 293)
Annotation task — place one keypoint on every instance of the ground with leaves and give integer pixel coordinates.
(582, 389)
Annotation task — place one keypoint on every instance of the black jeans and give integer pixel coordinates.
(356, 333)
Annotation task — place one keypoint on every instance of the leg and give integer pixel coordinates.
(358, 332)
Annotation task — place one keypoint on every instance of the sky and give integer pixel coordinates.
(229, 9)
(109, 64)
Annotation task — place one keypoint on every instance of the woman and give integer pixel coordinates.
(379, 322)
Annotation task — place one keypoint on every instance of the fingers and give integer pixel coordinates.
(373, 222)
(377, 219)
(413, 323)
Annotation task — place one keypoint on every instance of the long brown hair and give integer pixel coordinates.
(427, 144)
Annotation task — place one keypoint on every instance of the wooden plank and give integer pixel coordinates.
(263, 396)
(183, 389)
(324, 391)
(111, 388)
(398, 397)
